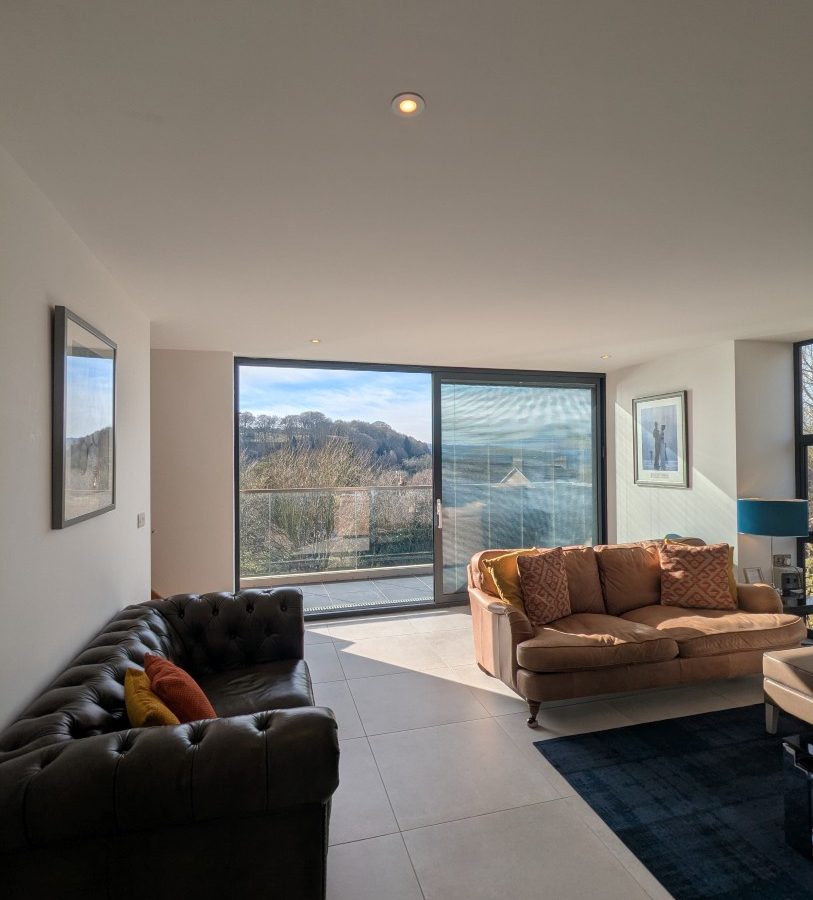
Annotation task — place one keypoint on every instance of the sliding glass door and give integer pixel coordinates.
(517, 465)
(370, 487)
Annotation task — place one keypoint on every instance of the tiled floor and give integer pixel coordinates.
(443, 795)
(367, 593)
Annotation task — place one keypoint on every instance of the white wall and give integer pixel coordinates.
(708, 508)
(192, 471)
(57, 588)
(740, 415)
(765, 437)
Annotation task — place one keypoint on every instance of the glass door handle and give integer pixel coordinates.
(439, 506)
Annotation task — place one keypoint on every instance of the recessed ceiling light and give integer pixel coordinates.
(316, 340)
(606, 355)
(408, 105)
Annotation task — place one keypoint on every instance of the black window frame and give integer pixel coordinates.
(592, 379)
(802, 441)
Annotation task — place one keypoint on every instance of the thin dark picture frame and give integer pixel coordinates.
(62, 316)
(683, 397)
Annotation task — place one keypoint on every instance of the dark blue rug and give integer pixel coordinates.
(698, 800)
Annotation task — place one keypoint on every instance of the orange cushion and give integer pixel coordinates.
(143, 706)
(543, 578)
(696, 542)
(695, 577)
(178, 689)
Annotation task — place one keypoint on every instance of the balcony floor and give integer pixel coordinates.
(367, 593)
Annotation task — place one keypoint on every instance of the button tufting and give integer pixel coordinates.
(267, 630)
(180, 613)
(249, 608)
(283, 607)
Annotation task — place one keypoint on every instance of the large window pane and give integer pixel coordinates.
(810, 487)
(518, 470)
(806, 387)
(335, 472)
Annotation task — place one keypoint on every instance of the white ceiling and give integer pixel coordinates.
(590, 176)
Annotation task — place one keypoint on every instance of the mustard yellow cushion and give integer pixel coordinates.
(732, 578)
(502, 572)
(143, 707)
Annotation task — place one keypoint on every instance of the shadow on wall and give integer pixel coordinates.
(703, 510)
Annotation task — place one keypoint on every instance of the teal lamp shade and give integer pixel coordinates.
(773, 518)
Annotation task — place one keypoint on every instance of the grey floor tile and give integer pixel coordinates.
(455, 648)
(374, 869)
(360, 807)
(413, 700)
(323, 662)
(651, 706)
(387, 656)
(495, 696)
(452, 771)
(543, 850)
(337, 696)
(383, 625)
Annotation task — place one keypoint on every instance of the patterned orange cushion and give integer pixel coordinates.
(695, 577)
(543, 578)
(178, 689)
(696, 542)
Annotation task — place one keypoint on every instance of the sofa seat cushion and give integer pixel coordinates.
(711, 632)
(284, 684)
(593, 641)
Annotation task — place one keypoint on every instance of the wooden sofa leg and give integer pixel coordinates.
(533, 710)
(771, 717)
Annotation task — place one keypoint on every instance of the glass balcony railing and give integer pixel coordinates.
(324, 530)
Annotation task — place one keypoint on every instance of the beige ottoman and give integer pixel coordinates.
(788, 685)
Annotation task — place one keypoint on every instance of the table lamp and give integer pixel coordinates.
(772, 518)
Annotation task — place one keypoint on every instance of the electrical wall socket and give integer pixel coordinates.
(781, 560)
(141, 520)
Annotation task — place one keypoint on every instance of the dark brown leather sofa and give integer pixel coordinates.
(231, 807)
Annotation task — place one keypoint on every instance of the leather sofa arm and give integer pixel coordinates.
(758, 598)
(227, 631)
(126, 781)
(498, 628)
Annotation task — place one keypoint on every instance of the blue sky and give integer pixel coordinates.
(90, 405)
(401, 399)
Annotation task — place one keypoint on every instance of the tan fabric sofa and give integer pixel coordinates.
(619, 637)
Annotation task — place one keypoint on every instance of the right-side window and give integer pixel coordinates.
(804, 449)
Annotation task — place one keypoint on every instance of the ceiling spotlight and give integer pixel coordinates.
(408, 105)
(606, 355)
(316, 340)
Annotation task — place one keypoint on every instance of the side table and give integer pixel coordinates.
(799, 605)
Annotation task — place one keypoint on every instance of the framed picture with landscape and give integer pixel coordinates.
(84, 421)
(660, 440)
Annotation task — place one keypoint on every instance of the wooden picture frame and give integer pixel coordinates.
(753, 575)
(661, 440)
(83, 434)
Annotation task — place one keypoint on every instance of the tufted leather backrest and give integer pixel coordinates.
(88, 697)
(228, 631)
(203, 634)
